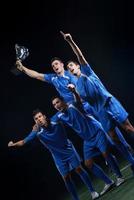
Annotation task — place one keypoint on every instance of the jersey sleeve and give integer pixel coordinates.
(30, 137)
(48, 77)
(55, 118)
(87, 70)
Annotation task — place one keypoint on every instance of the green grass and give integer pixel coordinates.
(123, 192)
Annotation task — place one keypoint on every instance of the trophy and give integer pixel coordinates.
(21, 54)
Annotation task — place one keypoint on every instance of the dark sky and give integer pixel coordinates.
(104, 32)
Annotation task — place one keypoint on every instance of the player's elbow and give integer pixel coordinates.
(40, 77)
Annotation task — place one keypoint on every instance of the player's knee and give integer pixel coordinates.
(105, 154)
(89, 163)
(114, 136)
(129, 128)
(79, 169)
(66, 177)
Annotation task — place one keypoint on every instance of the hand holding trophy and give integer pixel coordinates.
(21, 54)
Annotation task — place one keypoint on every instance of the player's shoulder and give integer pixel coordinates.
(67, 73)
(55, 117)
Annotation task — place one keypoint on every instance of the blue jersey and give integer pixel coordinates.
(61, 83)
(106, 107)
(54, 139)
(86, 126)
(91, 88)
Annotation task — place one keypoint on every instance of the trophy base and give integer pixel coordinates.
(15, 71)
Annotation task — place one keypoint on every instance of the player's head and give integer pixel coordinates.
(59, 103)
(40, 118)
(57, 65)
(73, 67)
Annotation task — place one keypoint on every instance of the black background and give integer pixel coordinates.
(104, 32)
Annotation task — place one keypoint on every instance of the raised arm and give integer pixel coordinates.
(77, 97)
(29, 72)
(74, 47)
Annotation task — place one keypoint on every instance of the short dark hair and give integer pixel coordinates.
(72, 61)
(36, 111)
(57, 96)
(56, 58)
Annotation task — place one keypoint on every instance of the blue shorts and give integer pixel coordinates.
(116, 111)
(108, 122)
(65, 165)
(96, 145)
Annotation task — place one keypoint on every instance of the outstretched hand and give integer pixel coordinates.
(10, 144)
(66, 36)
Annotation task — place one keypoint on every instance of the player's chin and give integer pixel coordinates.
(42, 124)
(59, 109)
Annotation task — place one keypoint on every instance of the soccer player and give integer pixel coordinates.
(53, 136)
(109, 110)
(59, 79)
(90, 130)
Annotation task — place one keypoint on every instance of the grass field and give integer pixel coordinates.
(123, 192)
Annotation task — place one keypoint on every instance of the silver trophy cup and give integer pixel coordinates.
(21, 54)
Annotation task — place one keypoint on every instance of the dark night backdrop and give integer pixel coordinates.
(103, 31)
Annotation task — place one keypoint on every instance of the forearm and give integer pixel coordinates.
(77, 97)
(29, 72)
(16, 144)
(75, 48)
(77, 51)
